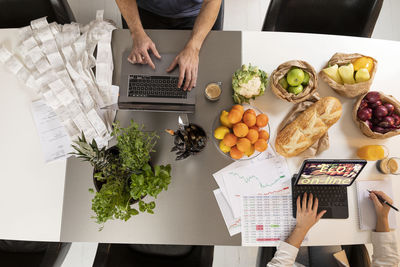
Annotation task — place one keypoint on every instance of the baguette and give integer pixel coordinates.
(308, 127)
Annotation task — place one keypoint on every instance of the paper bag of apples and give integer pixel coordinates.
(350, 75)
(294, 81)
(377, 115)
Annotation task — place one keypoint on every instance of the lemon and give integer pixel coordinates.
(220, 132)
(250, 151)
(223, 147)
(224, 119)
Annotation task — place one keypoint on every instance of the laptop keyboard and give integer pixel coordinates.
(155, 86)
(328, 196)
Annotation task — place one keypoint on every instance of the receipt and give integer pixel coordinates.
(56, 61)
(53, 137)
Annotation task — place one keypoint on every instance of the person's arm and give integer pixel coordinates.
(306, 217)
(141, 41)
(386, 250)
(188, 58)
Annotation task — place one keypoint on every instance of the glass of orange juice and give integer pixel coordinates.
(373, 152)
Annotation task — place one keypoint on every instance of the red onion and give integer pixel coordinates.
(380, 111)
(375, 104)
(373, 96)
(364, 114)
(390, 108)
(379, 129)
(396, 119)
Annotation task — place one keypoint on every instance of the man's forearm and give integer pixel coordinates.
(204, 23)
(130, 12)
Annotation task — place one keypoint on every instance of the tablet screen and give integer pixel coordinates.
(322, 173)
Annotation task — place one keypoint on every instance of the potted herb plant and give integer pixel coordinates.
(123, 174)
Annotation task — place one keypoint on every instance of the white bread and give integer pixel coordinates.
(308, 127)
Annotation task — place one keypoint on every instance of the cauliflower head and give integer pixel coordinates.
(248, 82)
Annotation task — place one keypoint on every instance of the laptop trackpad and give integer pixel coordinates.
(328, 213)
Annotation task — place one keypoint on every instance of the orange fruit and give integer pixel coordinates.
(263, 134)
(261, 145)
(250, 151)
(234, 116)
(236, 153)
(240, 129)
(243, 144)
(239, 107)
(255, 128)
(230, 139)
(262, 120)
(252, 135)
(249, 119)
(251, 111)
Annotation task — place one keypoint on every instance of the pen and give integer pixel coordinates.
(384, 201)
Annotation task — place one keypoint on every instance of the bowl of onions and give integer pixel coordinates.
(377, 115)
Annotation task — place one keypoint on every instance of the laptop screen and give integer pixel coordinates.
(336, 172)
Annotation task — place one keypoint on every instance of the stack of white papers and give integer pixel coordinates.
(266, 175)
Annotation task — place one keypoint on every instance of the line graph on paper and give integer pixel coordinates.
(266, 177)
(248, 179)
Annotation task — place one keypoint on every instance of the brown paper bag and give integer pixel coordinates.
(364, 127)
(348, 90)
(322, 144)
(282, 70)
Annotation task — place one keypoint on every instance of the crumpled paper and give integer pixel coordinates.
(348, 90)
(282, 70)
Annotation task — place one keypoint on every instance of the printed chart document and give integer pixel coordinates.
(266, 220)
(233, 224)
(366, 209)
(54, 139)
(261, 178)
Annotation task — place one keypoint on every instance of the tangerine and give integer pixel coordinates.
(263, 134)
(255, 128)
(252, 135)
(262, 120)
(230, 139)
(239, 107)
(234, 116)
(240, 129)
(251, 111)
(261, 145)
(236, 153)
(250, 151)
(243, 144)
(249, 119)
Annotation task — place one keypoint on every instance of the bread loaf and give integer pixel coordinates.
(308, 127)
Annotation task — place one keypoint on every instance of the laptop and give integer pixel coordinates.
(145, 89)
(328, 181)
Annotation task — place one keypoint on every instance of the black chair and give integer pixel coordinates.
(357, 255)
(124, 255)
(19, 13)
(32, 254)
(218, 25)
(340, 17)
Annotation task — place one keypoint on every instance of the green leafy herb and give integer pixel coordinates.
(125, 173)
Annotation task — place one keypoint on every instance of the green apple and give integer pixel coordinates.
(333, 73)
(283, 83)
(296, 89)
(306, 78)
(347, 73)
(295, 77)
(362, 75)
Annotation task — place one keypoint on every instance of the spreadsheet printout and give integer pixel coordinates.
(266, 220)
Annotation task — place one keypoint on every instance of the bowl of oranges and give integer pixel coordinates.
(241, 133)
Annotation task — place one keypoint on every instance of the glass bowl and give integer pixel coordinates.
(217, 123)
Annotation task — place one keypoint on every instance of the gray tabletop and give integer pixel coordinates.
(187, 213)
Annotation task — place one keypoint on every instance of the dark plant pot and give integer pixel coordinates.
(99, 184)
